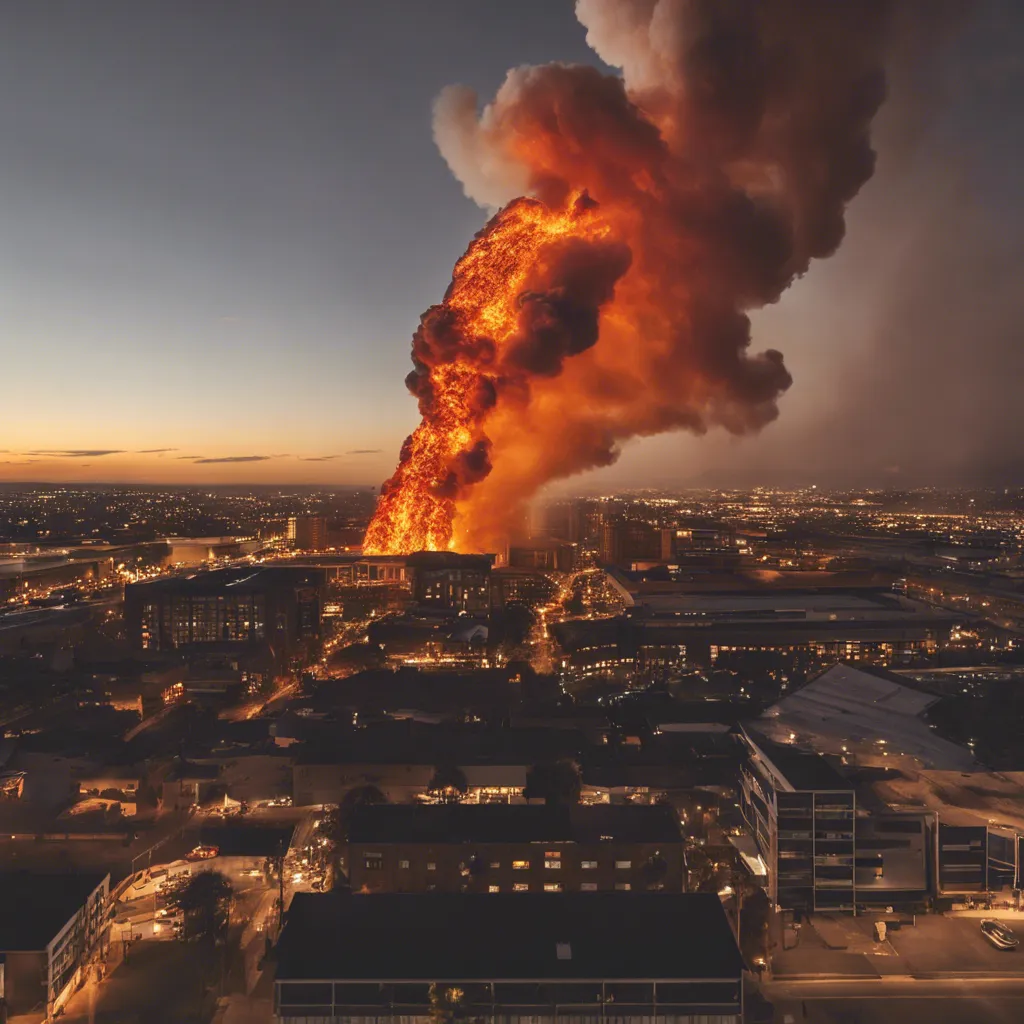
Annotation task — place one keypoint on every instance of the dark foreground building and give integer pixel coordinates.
(605, 958)
(49, 925)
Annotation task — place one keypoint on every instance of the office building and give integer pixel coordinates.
(445, 581)
(268, 616)
(307, 533)
(820, 850)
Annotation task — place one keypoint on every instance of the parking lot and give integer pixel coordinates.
(955, 945)
(842, 946)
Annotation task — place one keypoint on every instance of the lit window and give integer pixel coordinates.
(494, 888)
(623, 865)
(552, 864)
(552, 886)
(403, 864)
(521, 887)
(495, 865)
(588, 886)
(623, 886)
(431, 866)
(520, 865)
(588, 865)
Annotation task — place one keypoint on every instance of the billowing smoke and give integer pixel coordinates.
(683, 193)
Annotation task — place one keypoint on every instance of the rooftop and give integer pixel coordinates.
(802, 769)
(851, 704)
(388, 937)
(237, 579)
(37, 906)
(503, 823)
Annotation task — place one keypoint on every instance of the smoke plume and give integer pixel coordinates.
(643, 215)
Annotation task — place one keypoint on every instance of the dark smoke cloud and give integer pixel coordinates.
(719, 163)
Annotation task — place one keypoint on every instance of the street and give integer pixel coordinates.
(897, 1001)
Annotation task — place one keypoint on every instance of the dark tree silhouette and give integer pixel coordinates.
(557, 783)
(205, 900)
(448, 784)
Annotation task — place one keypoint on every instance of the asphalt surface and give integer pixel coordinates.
(892, 1001)
(161, 983)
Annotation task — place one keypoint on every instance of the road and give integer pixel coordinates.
(161, 983)
(897, 1001)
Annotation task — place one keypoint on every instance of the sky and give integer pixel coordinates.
(220, 222)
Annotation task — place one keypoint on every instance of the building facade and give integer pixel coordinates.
(517, 849)
(274, 611)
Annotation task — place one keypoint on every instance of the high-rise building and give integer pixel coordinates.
(307, 533)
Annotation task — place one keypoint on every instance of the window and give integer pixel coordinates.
(623, 865)
(552, 886)
(588, 865)
(495, 865)
(404, 865)
(588, 886)
(520, 865)
(552, 865)
(623, 886)
(494, 888)
(521, 887)
(373, 862)
(553, 855)
(431, 866)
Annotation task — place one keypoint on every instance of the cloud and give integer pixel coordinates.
(316, 458)
(23, 462)
(234, 458)
(64, 453)
(191, 458)
(365, 451)
(154, 451)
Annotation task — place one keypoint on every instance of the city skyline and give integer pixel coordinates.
(217, 270)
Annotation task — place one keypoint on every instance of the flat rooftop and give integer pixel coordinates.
(513, 936)
(504, 823)
(227, 580)
(34, 907)
(804, 770)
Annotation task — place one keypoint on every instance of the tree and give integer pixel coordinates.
(205, 901)
(334, 825)
(448, 784)
(655, 871)
(557, 783)
(445, 1004)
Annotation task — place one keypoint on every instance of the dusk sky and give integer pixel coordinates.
(222, 220)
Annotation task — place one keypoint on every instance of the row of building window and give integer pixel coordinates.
(557, 887)
(375, 862)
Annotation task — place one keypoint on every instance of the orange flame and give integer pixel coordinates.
(417, 506)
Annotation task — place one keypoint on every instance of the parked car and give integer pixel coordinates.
(203, 853)
(999, 934)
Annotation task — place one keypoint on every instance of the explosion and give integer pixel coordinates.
(661, 207)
